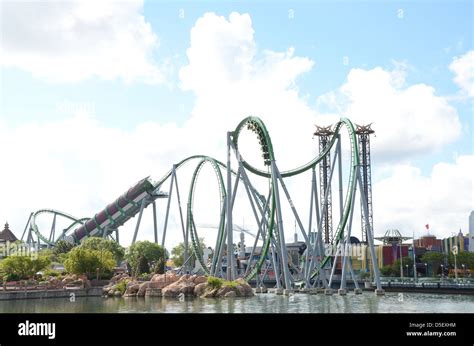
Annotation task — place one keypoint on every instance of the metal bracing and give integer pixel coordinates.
(142, 206)
(346, 245)
(370, 235)
(155, 226)
(324, 134)
(363, 135)
(170, 194)
(230, 246)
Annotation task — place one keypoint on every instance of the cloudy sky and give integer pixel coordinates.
(97, 95)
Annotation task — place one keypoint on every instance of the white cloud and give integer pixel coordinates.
(463, 69)
(69, 41)
(408, 120)
(407, 200)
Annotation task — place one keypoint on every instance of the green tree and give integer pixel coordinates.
(387, 271)
(146, 257)
(24, 267)
(177, 254)
(97, 243)
(434, 259)
(405, 261)
(62, 247)
(82, 260)
(466, 258)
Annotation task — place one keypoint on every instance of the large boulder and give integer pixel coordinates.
(243, 288)
(223, 290)
(163, 280)
(209, 293)
(142, 288)
(180, 286)
(172, 290)
(230, 294)
(199, 289)
(132, 289)
(200, 279)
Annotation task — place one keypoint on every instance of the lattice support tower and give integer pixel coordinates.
(363, 135)
(325, 133)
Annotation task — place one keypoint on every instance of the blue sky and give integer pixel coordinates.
(418, 39)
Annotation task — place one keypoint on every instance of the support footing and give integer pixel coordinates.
(379, 292)
(342, 291)
(357, 290)
(279, 291)
(329, 291)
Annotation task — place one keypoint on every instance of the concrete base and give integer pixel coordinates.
(329, 291)
(153, 292)
(342, 291)
(305, 290)
(287, 292)
(379, 292)
(59, 293)
(263, 290)
(357, 290)
(320, 290)
(279, 291)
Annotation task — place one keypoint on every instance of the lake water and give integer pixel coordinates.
(261, 303)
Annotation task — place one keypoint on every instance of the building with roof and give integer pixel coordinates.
(459, 240)
(7, 235)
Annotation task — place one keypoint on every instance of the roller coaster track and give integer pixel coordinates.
(34, 226)
(257, 126)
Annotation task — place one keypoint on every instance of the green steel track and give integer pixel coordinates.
(257, 126)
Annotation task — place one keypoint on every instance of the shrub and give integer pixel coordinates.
(144, 255)
(214, 282)
(86, 261)
(231, 284)
(24, 267)
(98, 243)
(121, 286)
(51, 272)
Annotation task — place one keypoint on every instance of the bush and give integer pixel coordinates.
(214, 282)
(62, 247)
(81, 260)
(24, 267)
(145, 256)
(145, 277)
(97, 243)
(51, 272)
(122, 286)
(11, 277)
(231, 284)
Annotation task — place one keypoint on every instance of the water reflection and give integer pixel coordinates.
(261, 303)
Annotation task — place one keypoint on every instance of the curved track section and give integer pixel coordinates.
(75, 221)
(257, 126)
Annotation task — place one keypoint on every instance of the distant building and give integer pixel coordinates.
(458, 240)
(7, 235)
(392, 248)
(429, 242)
(471, 232)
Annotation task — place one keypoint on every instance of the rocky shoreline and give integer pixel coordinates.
(173, 285)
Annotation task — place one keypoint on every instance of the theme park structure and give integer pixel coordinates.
(318, 267)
